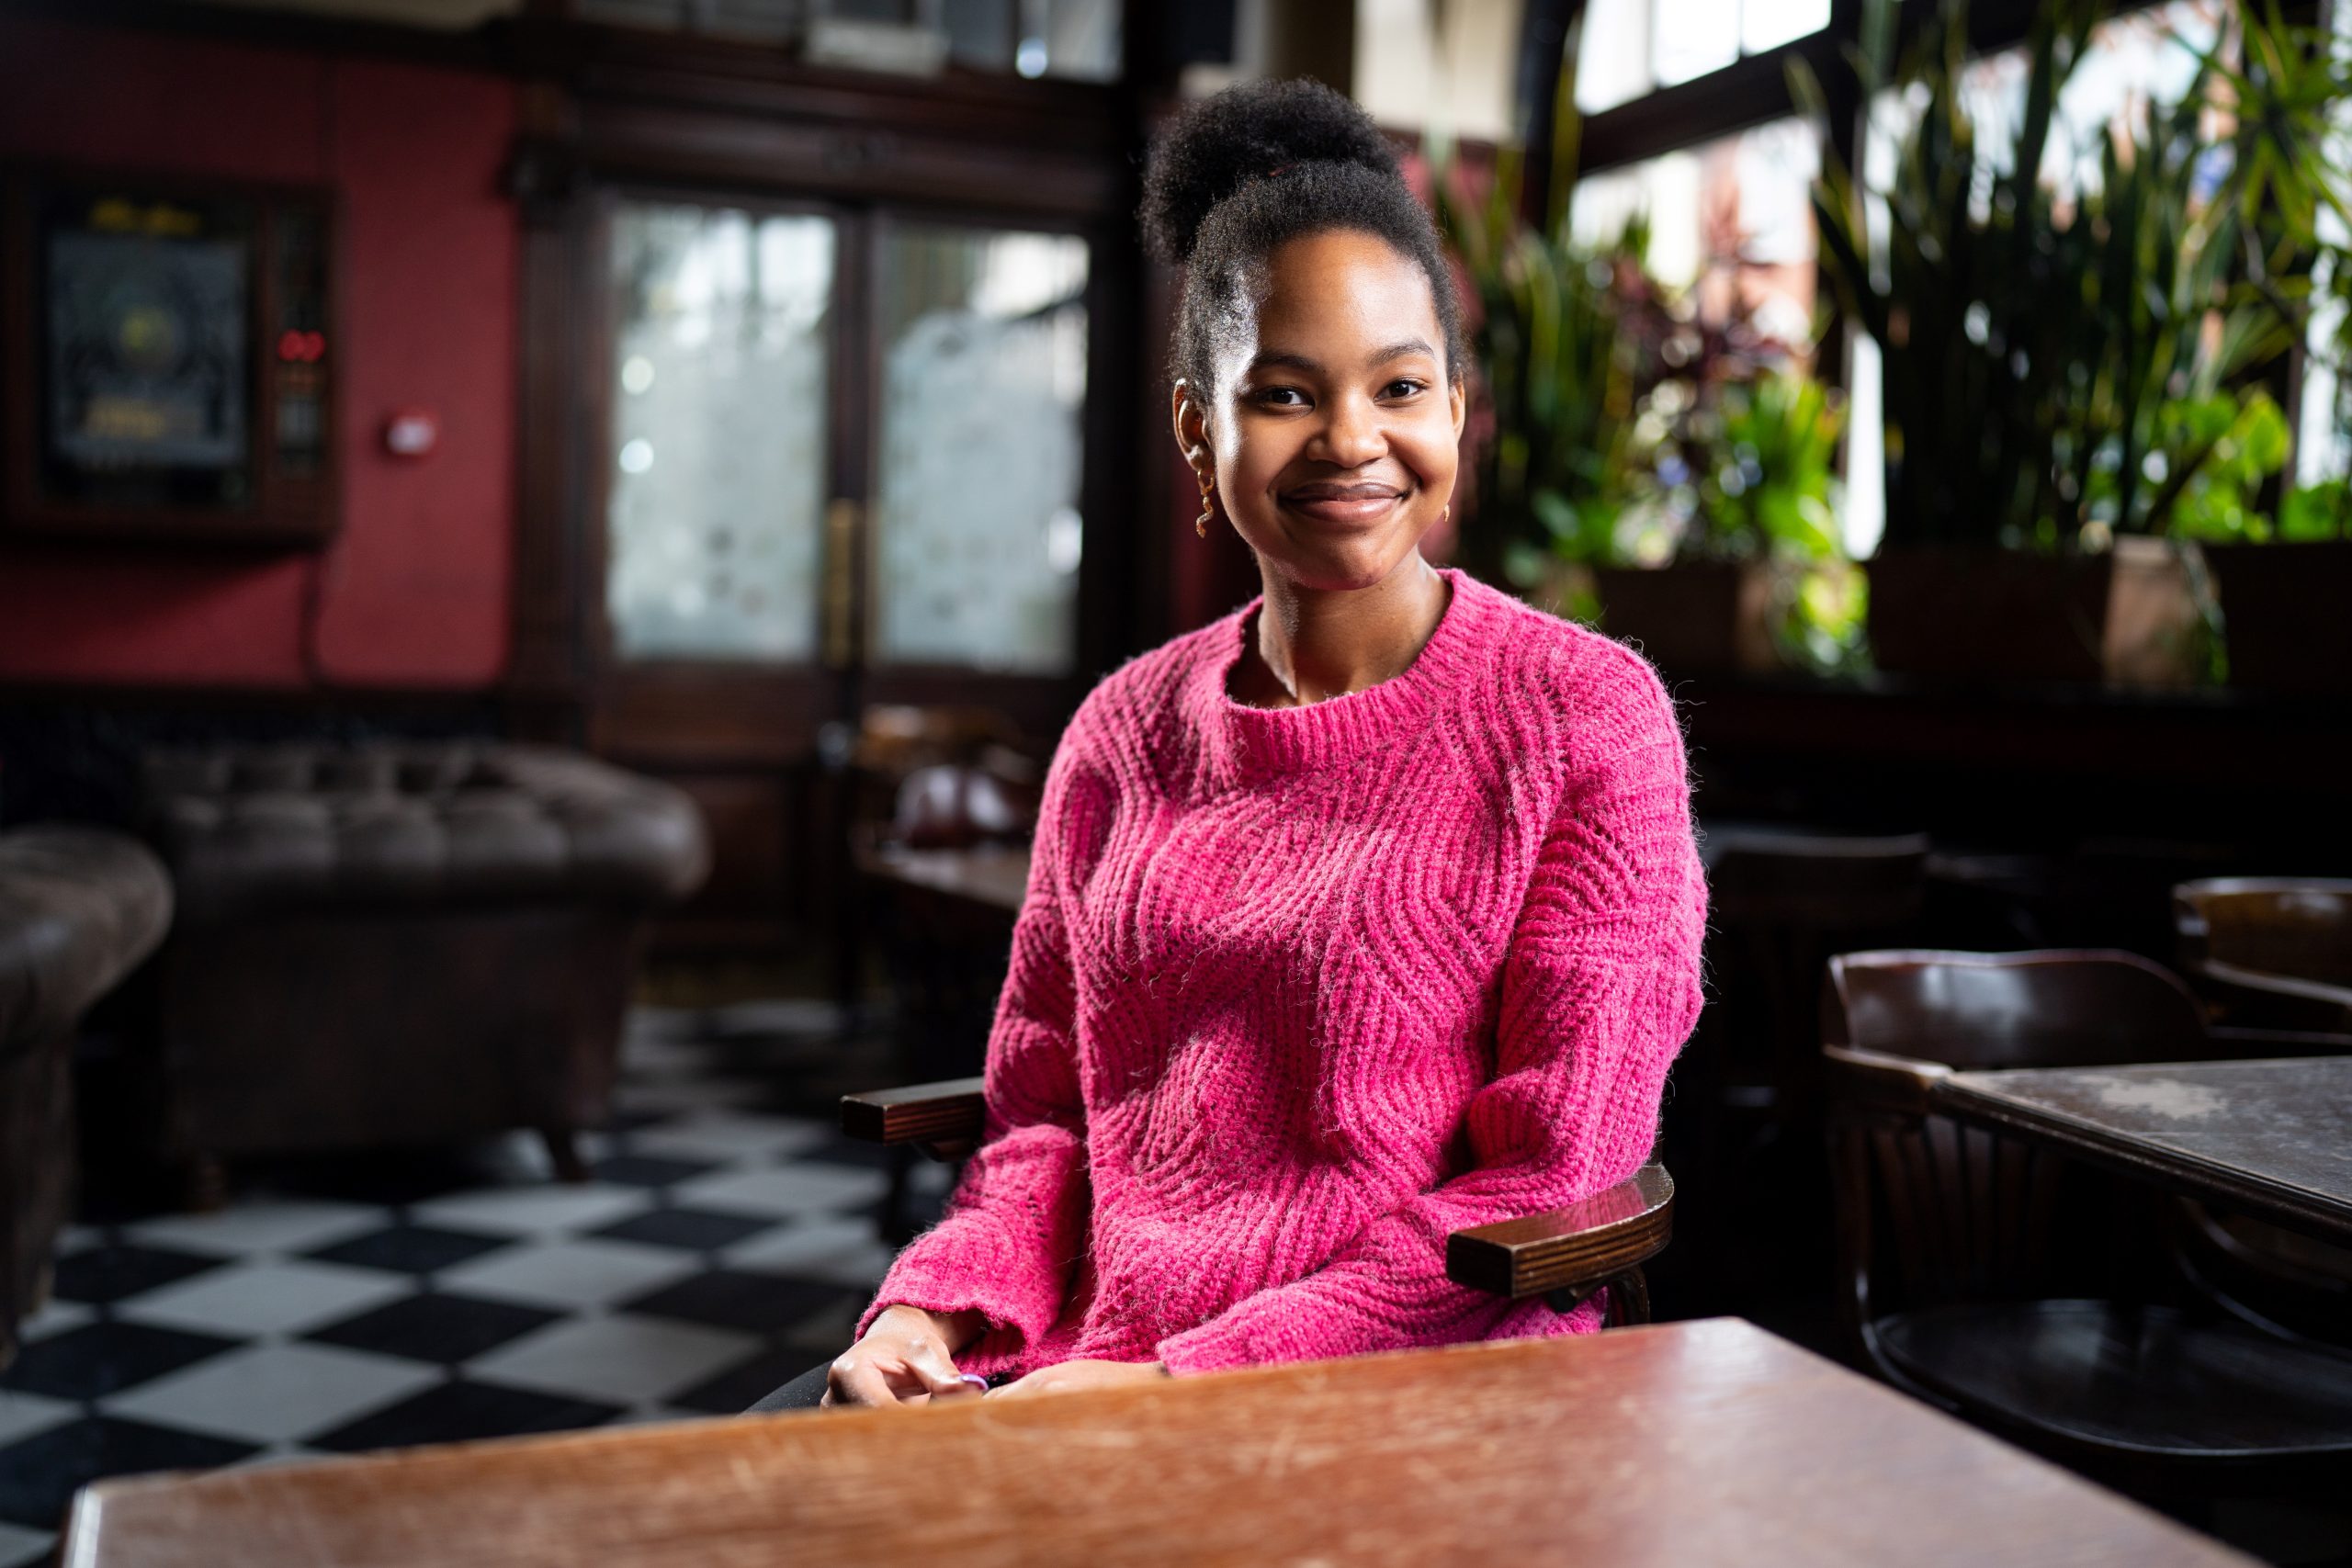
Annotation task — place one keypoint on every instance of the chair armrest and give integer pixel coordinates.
(948, 1111)
(1572, 1250)
(1879, 1081)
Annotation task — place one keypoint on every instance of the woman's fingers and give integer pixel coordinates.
(855, 1380)
(930, 1361)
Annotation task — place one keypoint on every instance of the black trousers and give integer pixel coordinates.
(801, 1393)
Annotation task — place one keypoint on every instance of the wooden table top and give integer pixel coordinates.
(994, 875)
(1679, 1444)
(2271, 1137)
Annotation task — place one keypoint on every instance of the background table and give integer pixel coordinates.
(993, 877)
(2273, 1138)
(1685, 1443)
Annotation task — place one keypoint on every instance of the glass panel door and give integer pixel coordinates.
(720, 379)
(977, 530)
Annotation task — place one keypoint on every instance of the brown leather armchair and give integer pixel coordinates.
(79, 907)
(1563, 1255)
(400, 944)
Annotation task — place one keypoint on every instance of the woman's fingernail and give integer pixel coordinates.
(975, 1379)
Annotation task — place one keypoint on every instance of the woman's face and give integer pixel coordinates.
(1333, 426)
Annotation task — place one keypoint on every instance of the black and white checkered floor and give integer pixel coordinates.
(723, 1247)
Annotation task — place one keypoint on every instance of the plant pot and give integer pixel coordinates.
(1988, 614)
(2152, 633)
(2287, 610)
(1694, 618)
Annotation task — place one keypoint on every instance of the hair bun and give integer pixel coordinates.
(1219, 145)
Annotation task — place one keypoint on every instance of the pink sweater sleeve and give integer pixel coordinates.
(1600, 988)
(1014, 1225)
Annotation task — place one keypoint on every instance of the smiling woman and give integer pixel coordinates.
(1365, 914)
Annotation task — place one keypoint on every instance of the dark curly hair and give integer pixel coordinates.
(1236, 175)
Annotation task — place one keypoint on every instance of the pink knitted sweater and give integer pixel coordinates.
(1296, 992)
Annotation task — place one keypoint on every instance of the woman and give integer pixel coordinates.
(1368, 913)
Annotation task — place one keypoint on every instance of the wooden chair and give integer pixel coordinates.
(1563, 1255)
(1781, 904)
(1951, 1239)
(2273, 951)
(1742, 1124)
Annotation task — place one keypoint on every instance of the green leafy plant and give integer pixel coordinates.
(1771, 483)
(2052, 364)
(2317, 512)
(2229, 447)
(1555, 402)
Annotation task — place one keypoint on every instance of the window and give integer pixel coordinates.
(1730, 225)
(2134, 59)
(977, 485)
(719, 377)
(1633, 47)
(1075, 38)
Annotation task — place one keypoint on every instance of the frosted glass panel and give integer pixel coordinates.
(717, 451)
(976, 528)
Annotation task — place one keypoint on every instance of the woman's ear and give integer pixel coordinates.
(1457, 399)
(1192, 423)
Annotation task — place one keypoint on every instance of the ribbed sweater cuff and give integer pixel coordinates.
(963, 1267)
(1226, 1342)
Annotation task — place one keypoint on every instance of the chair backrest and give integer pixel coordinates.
(2064, 1008)
(954, 805)
(1780, 904)
(2300, 927)
(1818, 879)
(1931, 1211)
(2274, 951)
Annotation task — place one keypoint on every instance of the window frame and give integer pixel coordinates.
(1754, 90)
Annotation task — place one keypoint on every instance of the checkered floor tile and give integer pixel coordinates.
(724, 1245)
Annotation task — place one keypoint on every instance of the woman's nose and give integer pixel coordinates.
(1352, 434)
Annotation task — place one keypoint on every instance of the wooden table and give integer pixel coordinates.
(2271, 1138)
(994, 877)
(1708, 1442)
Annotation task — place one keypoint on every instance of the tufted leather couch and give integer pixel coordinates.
(79, 907)
(400, 943)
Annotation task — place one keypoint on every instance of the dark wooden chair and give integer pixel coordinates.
(944, 926)
(2272, 951)
(1563, 1255)
(1742, 1124)
(1971, 1265)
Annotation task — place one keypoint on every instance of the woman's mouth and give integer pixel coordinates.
(1345, 505)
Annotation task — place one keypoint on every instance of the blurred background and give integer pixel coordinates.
(545, 546)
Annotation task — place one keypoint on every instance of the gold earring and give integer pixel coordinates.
(1208, 503)
(1445, 516)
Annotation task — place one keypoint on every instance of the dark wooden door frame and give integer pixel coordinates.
(690, 120)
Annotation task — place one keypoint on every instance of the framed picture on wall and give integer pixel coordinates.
(168, 359)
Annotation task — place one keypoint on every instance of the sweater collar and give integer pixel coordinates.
(1243, 745)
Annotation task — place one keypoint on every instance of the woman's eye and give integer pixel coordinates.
(1282, 397)
(1404, 387)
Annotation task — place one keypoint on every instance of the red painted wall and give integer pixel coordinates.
(414, 591)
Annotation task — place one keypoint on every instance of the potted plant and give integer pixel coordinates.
(2054, 363)
(2283, 579)
(1636, 465)
(1555, 391)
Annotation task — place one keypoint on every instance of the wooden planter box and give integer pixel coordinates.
(1988, 614)
(2127, 617)
(2289, 613)
(1692, 618)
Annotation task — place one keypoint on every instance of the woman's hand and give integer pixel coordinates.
(907, 1357)
(1067, 1375)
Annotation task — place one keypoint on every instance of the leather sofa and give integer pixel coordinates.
(79, 908)
(401, 943)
